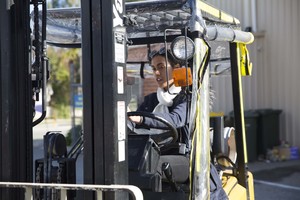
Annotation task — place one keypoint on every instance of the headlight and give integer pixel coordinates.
(179, 50)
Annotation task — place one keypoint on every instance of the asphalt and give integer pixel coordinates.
(276, 180)
(272, 180)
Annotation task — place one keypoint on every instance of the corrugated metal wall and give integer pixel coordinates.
(275, 82)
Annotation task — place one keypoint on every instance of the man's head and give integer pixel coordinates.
(162, 68)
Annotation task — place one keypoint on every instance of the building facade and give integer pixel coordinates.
(274, 54)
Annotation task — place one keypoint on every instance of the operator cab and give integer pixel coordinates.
(157, 156)
(159, 163)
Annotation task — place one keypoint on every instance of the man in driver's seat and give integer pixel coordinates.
(169, 102)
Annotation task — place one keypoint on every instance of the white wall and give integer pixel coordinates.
(275, 55)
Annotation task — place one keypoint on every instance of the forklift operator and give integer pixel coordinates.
(169, 102)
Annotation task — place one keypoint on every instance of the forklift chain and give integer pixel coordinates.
(59, 174)
(38, 180)
(59, 179)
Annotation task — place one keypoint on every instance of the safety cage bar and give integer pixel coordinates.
(146, 21)
(99, 189)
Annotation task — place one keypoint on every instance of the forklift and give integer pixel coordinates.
(206, 40)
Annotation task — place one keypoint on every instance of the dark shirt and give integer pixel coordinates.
(177, 115)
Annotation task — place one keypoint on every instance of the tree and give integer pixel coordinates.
(60, 78)
(60, 72)
(63, 3)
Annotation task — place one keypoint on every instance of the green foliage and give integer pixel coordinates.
(77, 133)
(73, 3)
(60, 69)
(63, 3)
(60, 78)
(61, 111)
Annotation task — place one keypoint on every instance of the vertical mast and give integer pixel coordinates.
(104, 57)
(16, 97)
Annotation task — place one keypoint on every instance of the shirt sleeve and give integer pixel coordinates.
(177, 117)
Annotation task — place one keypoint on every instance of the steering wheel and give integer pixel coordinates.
(162, 139)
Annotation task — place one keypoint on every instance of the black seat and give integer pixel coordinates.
(179, 165)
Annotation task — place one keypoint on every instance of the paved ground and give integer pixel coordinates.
(274, 181)
(277, 180)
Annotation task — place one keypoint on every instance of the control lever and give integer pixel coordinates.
(167, 169)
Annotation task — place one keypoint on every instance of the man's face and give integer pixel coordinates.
(159, 65)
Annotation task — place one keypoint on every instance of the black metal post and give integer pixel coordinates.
(104, 57)
(73, 91)
(16, 97)
(238, 115)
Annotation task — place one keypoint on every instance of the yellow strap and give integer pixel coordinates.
(245, 64)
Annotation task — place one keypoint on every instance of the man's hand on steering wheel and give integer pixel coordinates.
(136, 119)
(162, 139)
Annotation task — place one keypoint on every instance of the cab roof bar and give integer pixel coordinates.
(152, 18)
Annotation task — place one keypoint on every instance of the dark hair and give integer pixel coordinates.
(163, 52)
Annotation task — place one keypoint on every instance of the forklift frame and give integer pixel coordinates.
(104, 41)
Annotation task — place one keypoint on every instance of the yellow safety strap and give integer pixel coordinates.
(245, 64)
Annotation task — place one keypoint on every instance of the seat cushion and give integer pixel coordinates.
(179, 164)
